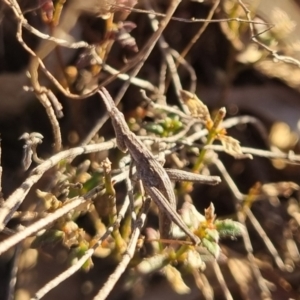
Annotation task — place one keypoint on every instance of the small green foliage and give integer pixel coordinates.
(167, 127)
(228, 228)
(92, 182)
(212, 234)
(78, 252)
(155, 128)
(153, 263)
(212, 247)
(172, 124)
(189, 258)
(49, 237)
(208, 228)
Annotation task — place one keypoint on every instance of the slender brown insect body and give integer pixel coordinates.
(154, 177)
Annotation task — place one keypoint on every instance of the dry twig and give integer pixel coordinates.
(274, 53)
(16, 198)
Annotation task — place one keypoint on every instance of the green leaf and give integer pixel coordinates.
(172, 124)
(78, 252)
(212, 235)
(212, 247)
(151, 264)
(229, 228)
(92, 182)
(155, 128)
(51, 236)
(231, 145)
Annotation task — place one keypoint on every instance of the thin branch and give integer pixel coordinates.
(182, 61)
(197, 36)
(129, 188)
(162, 79)
(240, 197)
(290, 157)
(195, 20)
(114, 277)
(16, 198)
(221, 280)
(231, 184)
(265, 238)
(44, 100)
(165, 107)
(139, 62)
(50, 218)
(248, 246)
(164, 47)
(143, 84)
(60, 42)
(80, 262)
(37, 226)
(14, 272)
(284, 58)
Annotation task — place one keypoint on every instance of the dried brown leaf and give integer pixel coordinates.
(231, 146)
(196, 107)
(284, 188)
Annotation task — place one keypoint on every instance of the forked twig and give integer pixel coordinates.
(246, 238)
(16, 198)
(50, 218)
(37, 226)
(274, 53)
(168, 57)
(114, 277)
(139, 60)
(80, 262)
(43, 98)
(197, 36)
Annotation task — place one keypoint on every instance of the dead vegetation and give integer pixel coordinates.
(75, 220)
